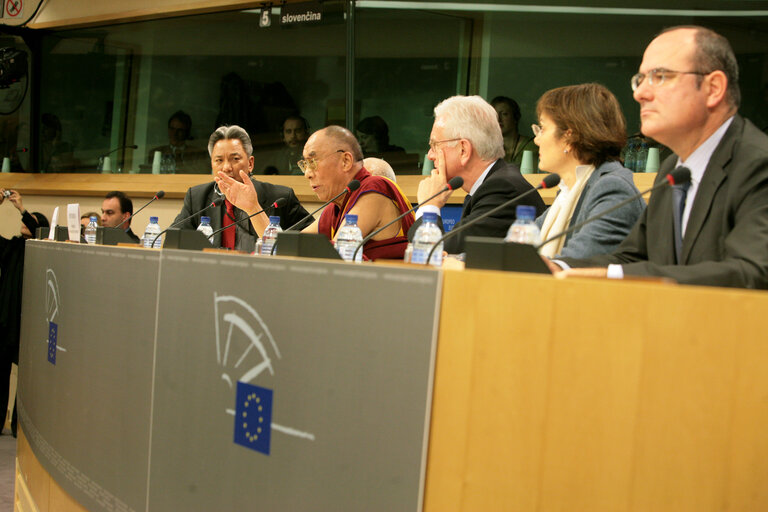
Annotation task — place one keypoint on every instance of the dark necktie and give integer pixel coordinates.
(679, 196)
(228, 235)
(465, 208)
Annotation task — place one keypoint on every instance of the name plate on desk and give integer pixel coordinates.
(189, 239)
(305, 245)
(112, 236)
(495, 254)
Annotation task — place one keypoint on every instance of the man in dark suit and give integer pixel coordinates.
(115, 209)
(715, 232)
(231, 154)
(466, 141)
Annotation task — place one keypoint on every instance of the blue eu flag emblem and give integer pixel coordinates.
(253, 417)
(52, 330)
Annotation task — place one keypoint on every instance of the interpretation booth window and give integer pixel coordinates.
(379, 70)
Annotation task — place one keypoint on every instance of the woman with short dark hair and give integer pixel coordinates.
(580, 134)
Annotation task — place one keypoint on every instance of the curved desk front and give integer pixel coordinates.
(142, 373)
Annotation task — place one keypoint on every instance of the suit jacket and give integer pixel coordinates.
(200, 196)
(502, 183)
(726, 239)
(608, 185)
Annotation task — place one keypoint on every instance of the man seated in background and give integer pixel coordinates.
(179, 155)
(115, 209)
(466, 141)
(232, 163)
(294, 135)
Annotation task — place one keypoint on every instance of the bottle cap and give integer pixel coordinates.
(205, 219)
(525, 212)
(93, 218)
(351, 218)
(153, 220)
(429, 217)
(274, 219)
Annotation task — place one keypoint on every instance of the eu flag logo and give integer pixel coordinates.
(253, 417)
(52, 330)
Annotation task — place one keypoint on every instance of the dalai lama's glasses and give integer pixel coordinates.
(310, 164)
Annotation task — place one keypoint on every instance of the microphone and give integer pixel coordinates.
(679, 176)
(351, 187)
(549, 181)
(160, 194)
(279, 203)
(216, 202)
(453, 184)
(132, 146)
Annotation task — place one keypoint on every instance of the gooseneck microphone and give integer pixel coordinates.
(351, 187)
(131, 146)
(453, 184)
(679, 176)
(279, 203)
(549, 181)
(216, 202)
(160, 194)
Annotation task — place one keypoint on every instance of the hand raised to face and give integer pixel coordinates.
(243, 195)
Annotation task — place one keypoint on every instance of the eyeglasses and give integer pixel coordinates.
(659, 75)
(434, 143)
(310, 164)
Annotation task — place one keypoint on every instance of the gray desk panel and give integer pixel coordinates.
(124, 425)
(349, 372)
(87, 416)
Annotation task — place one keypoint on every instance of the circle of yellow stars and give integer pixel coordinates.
(254, 398)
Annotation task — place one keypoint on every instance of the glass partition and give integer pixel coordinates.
(164, 85)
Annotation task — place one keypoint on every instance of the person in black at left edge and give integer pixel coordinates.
(11, 275)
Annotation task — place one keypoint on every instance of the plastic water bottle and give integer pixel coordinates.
(90, 231)
(270, 235)
(153, 229)
(349, 238)
(205, 227)
(425, 238)
(641, 157)
(524, 230)
(630, 156)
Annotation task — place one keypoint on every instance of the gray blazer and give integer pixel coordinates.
(609, 185)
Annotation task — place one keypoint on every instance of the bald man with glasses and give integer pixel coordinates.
(715, 231)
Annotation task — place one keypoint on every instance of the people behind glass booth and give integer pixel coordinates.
(180, 155)
(515, 143)
(373, 135)
(56, 155)
(295, 130)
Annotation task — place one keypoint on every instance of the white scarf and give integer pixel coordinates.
(559, 215)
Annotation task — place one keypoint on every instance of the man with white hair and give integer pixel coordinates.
(466, 141)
